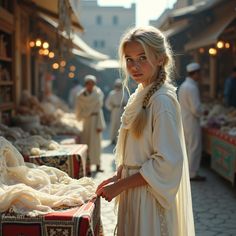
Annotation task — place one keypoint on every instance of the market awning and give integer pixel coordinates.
(194, 8)
(109, 64)
(176, 28)
(82, 48)
(89, 63)
(211, 34)
(50, 8)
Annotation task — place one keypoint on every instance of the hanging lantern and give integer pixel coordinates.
(38, 43)
(212, 51)
(45, 45)
(41, 51)
(72, 68)
(51, 55)
(71, 75)
(31, 43)
(63, 63)
(220, 44)
(55, 66)
(201, 50)
(45, 52)
(227, 45)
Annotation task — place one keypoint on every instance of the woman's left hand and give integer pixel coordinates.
(109, 191)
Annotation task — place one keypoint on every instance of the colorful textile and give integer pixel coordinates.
(68, 158)
(76, 221)
(221, 135)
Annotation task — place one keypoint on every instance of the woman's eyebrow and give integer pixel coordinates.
(140, 54)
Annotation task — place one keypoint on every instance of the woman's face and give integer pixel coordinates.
(139, 67)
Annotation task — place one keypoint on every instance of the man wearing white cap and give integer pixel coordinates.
(190, 103)
(115, 103)
(89, 111)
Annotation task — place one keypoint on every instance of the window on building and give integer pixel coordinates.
(99, 44)
(98, 20)
(115, 20)
(190, 2)
(102, 44)
(95, 43)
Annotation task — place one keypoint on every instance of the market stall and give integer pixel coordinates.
(222, 149)
(41, 200)
(219, 139)
(69, 158)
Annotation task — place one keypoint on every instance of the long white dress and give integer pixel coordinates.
(164, 206)
(89, 111)
(190, 104)
(115, 103)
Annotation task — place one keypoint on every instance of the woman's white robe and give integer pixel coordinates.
(164, 206)
(89, 111)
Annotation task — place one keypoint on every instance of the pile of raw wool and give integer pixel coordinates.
(33, 190)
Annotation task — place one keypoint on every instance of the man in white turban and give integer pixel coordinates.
(89, 111)
(190, 103)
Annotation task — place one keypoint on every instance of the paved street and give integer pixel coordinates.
(214, 201)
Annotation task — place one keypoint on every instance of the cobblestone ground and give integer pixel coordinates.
(214, 201)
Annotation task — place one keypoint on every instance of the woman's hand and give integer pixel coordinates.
(106, 189)
(112, 179)
(107, 181)
(109, 191)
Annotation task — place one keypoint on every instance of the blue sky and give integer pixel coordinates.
(145, 9)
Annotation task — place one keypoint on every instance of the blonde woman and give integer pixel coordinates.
(152, 181)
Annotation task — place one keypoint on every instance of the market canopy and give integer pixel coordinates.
(176, 28)
(50, 8)
(211, 33)
(109, 64)
(81, 48)
(194, 9)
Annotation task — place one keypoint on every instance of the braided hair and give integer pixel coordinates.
(141, 119)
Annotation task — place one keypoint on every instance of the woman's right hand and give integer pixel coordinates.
(112, 179)
(107, 181)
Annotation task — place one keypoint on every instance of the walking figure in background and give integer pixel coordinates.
(115, 102)
(152, 180)
(190, 103)
(73, 93)
(89, 111)
(230, 89)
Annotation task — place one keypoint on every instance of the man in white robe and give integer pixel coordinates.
(89, 111)
(115, 102)
(190, 103)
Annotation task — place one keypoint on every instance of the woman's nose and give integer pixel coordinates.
(135, 64)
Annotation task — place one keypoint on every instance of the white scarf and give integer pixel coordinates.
(131, 111)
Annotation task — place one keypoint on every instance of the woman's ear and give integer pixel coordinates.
(160, 61)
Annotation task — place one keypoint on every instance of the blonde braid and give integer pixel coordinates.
(141, 119)
(155, 87)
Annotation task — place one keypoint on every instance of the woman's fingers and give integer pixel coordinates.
(101, 185)
(99, 191)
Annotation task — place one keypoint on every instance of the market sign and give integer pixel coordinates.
(223, 158)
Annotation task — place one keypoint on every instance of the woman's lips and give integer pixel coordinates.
(137, 75)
